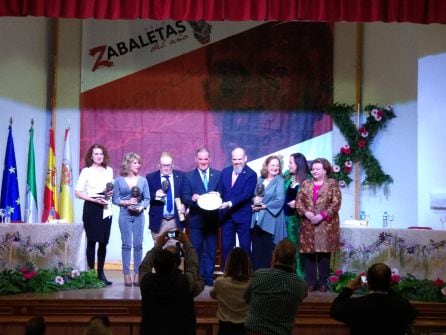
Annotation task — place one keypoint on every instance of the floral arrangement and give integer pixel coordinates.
(30, 252)
(30, 279)
(359, 140)
(407, 286)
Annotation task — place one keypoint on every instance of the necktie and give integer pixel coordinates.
(205, 180)
(169, 203)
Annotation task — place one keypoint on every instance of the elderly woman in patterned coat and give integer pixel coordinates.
(318, 203)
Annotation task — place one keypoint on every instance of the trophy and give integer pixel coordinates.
(164, 187)
(108, 188)
(135, 193)
(259, 193)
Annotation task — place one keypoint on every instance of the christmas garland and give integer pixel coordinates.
(359, 141)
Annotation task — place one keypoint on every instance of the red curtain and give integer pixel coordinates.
(415, 11)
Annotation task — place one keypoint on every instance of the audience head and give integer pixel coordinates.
(239, 159)
(166, 163)
(238, 265)
(167, 260)
(35, 326)
(379, 277)
(284, 253)
(98, 325)
(94, 149)
(268, 163)
(127, 161)
(298, 165)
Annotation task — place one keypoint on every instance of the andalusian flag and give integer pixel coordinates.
(10, 198)
(31, 189)
(66, 183)
(50, 194)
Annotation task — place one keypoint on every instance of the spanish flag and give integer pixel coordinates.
(66, 183)
(50, 193)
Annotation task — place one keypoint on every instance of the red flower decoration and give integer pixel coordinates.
(345, 150)
(362, 129)
(29, 274)
(438, 282)
(396, 278)
(348, 169)
(361, 143)
(339, 272)
(333, 279)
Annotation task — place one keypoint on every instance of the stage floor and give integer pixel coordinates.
(67, 312)
(121, 292)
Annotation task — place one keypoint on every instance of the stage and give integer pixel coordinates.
(67, 312)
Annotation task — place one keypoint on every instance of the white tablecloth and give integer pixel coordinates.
(45, 244)
(419, 252)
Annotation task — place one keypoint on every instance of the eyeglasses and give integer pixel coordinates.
(166, 165)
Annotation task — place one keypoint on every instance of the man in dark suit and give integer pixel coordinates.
(378, 312)
(165, 186)
(203, 224)
(236, 187)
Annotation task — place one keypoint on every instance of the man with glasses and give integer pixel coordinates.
(165, 186)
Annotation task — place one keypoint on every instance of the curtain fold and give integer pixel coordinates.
(414, 11)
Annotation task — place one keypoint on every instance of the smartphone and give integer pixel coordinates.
(364, 279)
(173, 234)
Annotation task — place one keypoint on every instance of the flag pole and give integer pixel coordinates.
(358, 101)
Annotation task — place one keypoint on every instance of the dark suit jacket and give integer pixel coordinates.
(240, 195)
(374, 313)
(157, 206)
(193, 184)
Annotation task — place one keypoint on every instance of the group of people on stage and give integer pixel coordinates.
(287, 226)
(301, 204)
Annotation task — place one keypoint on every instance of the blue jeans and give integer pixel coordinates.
(132, 233)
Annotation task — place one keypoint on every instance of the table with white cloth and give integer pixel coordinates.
(419, 252)
(46, 245)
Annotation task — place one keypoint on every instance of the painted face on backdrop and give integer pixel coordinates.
(267, 87)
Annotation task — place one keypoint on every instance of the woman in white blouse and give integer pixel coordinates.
(93, 186)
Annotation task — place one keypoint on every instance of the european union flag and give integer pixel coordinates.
(10, 185)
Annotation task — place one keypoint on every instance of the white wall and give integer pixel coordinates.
(404, 65)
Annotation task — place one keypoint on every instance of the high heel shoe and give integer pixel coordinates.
(127, 281)
(136, 280)
(101, 276)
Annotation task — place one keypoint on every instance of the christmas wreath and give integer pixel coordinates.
(358, 144)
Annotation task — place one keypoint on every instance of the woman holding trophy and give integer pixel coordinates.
(131, 194)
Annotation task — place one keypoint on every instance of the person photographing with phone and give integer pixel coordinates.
(168, 291)
(378, 312)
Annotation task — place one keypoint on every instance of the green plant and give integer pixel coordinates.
(359, 141)
(407, 286)
(29, 279)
